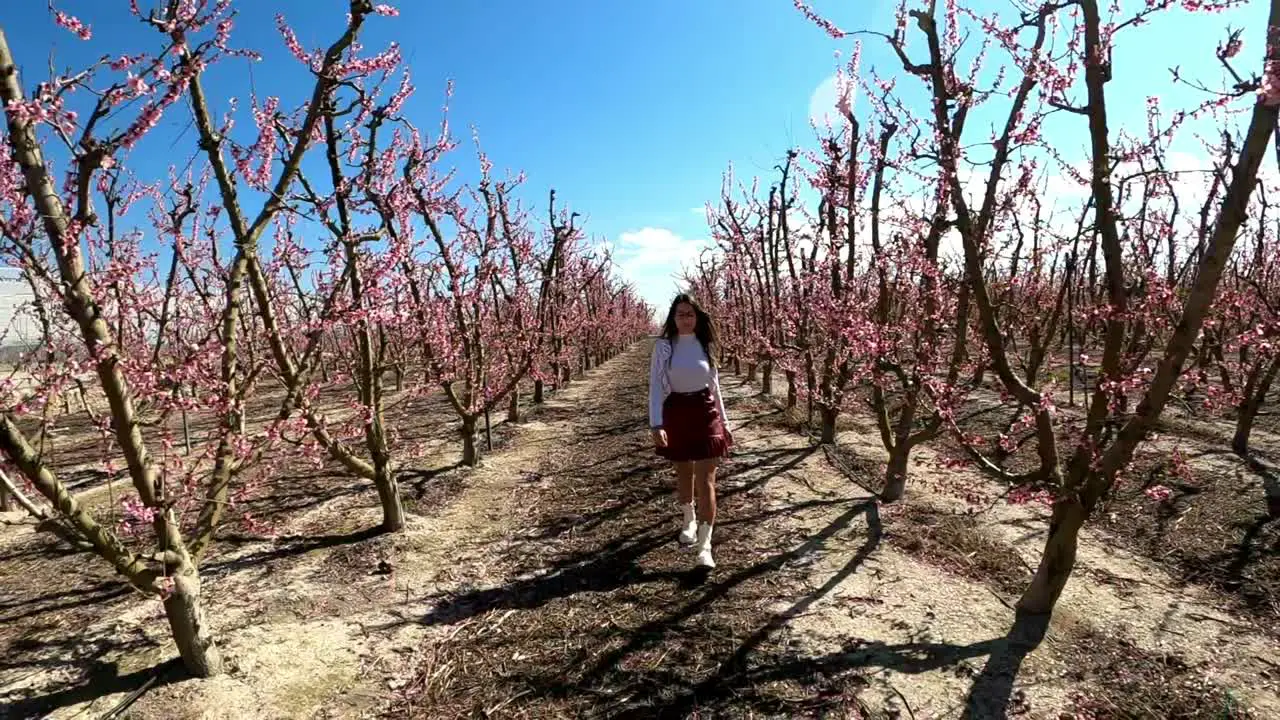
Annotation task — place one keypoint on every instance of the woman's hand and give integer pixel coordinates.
(659, 437)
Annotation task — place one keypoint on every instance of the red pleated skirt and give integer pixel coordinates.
(695, 430)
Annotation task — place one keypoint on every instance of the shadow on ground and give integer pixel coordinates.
(603, 616)
(95, 677)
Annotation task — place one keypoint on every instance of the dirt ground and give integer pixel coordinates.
(547, 583)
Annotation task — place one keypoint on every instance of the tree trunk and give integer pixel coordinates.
(766, 379)
(186, 425)
(470, 453)
(751, 372)
(793, 397)
(737, 366)
(1058, 559)
(1245, 415)
(190, 631)
(1255, 394)
(829, 415)
(811, 386)
(388, 496)
(895, 473)
(4, 500)
(513, 407)
(538, 392)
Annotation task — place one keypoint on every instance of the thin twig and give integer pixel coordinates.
(906, 704)
(124, 704)
(1003, 602)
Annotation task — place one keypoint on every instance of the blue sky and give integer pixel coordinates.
(631, 110)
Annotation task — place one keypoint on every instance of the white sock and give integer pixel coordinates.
(689, 526)
(704, 536)
(703, 546)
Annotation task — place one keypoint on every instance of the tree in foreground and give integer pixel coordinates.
(1121, 284)
(99, 314)
(145, 333)
(1115, 424)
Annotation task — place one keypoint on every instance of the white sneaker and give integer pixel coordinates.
(689, 530)
(703, 546)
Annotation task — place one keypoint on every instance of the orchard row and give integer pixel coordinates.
(942, 273)
(324, 257)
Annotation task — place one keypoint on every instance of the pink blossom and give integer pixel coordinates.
(72, 23)
(826, 25)
(311, 60)
(137, 85)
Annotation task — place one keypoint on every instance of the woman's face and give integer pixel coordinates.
(686, 319)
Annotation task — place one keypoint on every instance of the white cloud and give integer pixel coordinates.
(654, 259)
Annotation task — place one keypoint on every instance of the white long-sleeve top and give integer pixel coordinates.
(680, 366)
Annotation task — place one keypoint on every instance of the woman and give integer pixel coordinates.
(686, 415)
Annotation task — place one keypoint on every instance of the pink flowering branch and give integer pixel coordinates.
(1105, 447)
(67, 228)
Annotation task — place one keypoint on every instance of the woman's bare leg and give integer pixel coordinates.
(704, 484)
(684, 482)
(684, 490)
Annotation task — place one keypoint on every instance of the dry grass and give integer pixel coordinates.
(605, 616)
(1121, 680)
(547, 584)
(958, 543)
(1115, 677)
(1214, 530)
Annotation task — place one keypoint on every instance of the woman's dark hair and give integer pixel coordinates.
(704, 329)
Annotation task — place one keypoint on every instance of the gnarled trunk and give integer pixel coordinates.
(895, 473)
(766, 378)
(1058, 560)
(829, 416)
(470, 452)
(184, 609)
(513, 406)
(384, 479)
(1255, 393)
